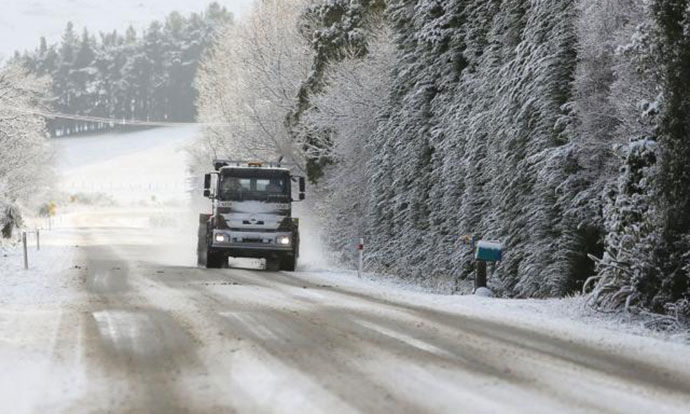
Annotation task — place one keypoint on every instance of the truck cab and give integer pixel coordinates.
(251, 216)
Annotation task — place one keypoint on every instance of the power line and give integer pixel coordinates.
(115, 121)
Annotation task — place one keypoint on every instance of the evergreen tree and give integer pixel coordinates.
(145, 76)
(673, 43)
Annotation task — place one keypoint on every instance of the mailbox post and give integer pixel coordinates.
(486, 251)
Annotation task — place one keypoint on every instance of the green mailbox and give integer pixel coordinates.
(488, 251)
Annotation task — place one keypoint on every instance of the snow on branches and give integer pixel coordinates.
(250, 80)
(632, 232)
(24, 152)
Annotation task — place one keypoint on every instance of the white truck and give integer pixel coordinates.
(251, 215)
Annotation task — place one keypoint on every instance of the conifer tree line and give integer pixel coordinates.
(560, 128)
(146, 75)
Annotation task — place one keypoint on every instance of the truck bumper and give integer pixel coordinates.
(252, 244)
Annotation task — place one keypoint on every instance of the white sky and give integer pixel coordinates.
(23, 22)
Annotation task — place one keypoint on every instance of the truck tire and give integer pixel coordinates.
(288, 263)
(201, 247)
(273, 264)
(215, 260)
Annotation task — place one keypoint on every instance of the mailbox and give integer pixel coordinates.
(488, 251)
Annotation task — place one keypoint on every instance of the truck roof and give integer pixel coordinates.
(258, 165)
(255, 170)
(233, 167)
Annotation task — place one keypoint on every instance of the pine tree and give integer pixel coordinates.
(673, 21)
(146, 75)
(628, 272)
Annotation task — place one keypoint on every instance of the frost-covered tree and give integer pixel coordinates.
(349, 107)
(472, 136)
(627, 269)
(646, 264)
(673, 45)
(250, 80)
(336, 30)
(500, 121)
(24, 153)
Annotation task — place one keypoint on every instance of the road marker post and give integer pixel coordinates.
(38, 239)
(360, 249)
(26, 257)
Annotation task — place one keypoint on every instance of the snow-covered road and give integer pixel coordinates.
(120, 320)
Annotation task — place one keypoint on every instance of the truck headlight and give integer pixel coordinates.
(220, 238)
(284, 240)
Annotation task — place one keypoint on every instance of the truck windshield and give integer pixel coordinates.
(254, 185)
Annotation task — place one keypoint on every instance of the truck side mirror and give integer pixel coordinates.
(302, 186)
(207, 185)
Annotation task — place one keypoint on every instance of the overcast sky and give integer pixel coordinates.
(23, 22)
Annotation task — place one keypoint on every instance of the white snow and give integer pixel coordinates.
(33, 286)
(569, 317)
(31, 306)
(129, 167)
(484, 292)
(490, 245)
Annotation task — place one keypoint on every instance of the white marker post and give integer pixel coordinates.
(360, 249)
(26, 257)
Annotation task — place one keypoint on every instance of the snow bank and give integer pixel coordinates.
(569, 317)
(37, 284)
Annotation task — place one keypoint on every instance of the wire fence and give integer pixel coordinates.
(103, 187)
(115, 121)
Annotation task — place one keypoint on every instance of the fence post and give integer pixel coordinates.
(26, 257)
(360, 249)
(38, 239)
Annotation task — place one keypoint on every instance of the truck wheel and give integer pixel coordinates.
(273, 264)
(216, 260)
(201, 249)
(288, 263)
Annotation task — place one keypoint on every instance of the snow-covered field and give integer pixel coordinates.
(130, 167)
(113, 316)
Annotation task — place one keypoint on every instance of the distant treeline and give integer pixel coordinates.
(145, 76)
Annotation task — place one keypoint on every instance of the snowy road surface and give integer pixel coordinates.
(119, 320)
(130, 330)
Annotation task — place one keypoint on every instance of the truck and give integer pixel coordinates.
(251, 215)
